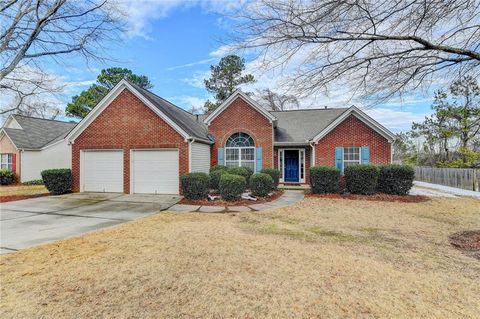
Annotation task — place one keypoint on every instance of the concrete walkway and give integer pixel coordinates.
(289, 197)
(435, 190)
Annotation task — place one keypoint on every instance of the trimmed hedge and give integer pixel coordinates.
(34, 182)
(241, 171)
(195, 185)
(232, 186)
(58, 181)
(361, 179)
(395, 179)
(274, 174)
(324, 179)
(261, 184)
(7, 177)
(218, 167)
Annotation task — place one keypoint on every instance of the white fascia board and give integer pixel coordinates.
(362, 116)
(102, 105)
(247, 99)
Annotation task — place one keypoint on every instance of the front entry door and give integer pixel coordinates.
(291, 166)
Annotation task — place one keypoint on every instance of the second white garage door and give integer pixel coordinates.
(154, 171)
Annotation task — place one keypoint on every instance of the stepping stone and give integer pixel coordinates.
(239, 209)
(212, 209)
(184, 208)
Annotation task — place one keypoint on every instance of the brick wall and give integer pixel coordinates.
(355, 133)
(127, 124)
(241, 117)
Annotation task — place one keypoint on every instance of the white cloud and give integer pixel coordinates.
(139, 14)
(196, 80)
(188, 102)
(396, 121)
(187, 65)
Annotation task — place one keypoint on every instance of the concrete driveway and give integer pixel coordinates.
(36, 221)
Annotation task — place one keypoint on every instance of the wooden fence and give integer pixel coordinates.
(466, 178)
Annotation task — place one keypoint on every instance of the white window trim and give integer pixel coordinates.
(281, 166)
(359, 161)
(240, 156)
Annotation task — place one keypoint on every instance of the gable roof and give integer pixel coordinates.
(36, 133)
(301, 126)
(246, 98)
(182, 121)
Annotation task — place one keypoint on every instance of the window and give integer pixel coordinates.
(6, 161)
(240, 151)
(351, 155)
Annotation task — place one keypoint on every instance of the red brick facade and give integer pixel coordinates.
(352, 132)
(127, 124)
(241, 117)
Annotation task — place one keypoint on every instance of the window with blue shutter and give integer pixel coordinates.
(365, 155)
(339, 158)
(259, 159)
(221, 156)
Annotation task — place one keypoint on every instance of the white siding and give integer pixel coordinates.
(34, 162)
(200, 157)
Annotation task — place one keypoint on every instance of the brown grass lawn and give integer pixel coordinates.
(319, 258)
(22, 190)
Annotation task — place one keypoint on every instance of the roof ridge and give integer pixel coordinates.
(39, 118)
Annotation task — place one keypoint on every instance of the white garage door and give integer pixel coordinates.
(154, 171)
(102, 171)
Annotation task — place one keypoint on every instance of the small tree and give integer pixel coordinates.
(82, 104)
(225, 78)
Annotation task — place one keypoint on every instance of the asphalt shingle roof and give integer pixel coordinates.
(37, 133)
(302, 125)
(185, 120)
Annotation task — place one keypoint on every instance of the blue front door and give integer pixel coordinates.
(291, 166)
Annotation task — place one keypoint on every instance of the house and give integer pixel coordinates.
(29, 145)
(134, 141)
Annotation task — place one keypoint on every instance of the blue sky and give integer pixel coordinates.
(175, 42)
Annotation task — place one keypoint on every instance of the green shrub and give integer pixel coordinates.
(58, 181)
(361, 179)
(232, 186)
(274, 174)
(34, 182)
(7, 177)
(395, 179)
(218, 167)
(261, 184)
(195, 185)
(324, 179)
(241, 171)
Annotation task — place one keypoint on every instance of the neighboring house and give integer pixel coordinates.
(29, 145)
(134, 141)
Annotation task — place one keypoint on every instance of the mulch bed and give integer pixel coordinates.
(12, 198)
(468, 242)
(375, 197)
(243, 202)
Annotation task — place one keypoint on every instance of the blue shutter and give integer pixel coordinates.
(365, 155)
(339, 158)
(259, 159)
(221, 157)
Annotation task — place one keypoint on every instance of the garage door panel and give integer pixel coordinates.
(155, 171)
(102, 171)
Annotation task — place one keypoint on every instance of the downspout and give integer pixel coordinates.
(312, 161)
(190, 142)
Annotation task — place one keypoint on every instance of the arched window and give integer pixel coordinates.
(240, 151)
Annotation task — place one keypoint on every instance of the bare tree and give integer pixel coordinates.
(378, 48)
(32, 31)
(277, 102)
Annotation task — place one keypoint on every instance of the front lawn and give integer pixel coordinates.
(319, 258)
(17, 192)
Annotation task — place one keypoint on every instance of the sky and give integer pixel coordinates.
(174, 43)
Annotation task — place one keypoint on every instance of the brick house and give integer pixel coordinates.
(134, 141)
